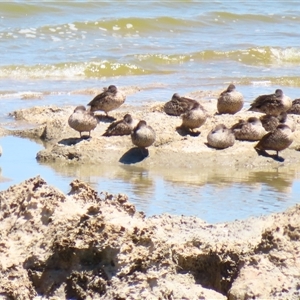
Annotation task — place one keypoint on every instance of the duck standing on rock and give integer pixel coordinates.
(272, 104)
(108, 100)
(277, 140)
(220, 137)
(82, 120)
(178, 105)
(194, 118)
(143, 135)
(250, 130)
(230, 101)
(120, 127)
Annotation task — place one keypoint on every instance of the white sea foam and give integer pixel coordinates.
(285, 55)
(25, 31)
(261, 83)
(72, 26)
(55, 39)
(30, 35)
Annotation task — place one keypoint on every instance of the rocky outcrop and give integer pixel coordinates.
(89, 245)
(172, 147)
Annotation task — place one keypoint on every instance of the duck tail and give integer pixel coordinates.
(253, 108)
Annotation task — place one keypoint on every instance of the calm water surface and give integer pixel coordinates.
(53, 52)
(213, 195)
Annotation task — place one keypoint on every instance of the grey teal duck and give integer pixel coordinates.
(82, 120)
(270, 122)
(143, 135)
(272, 104)
(277, 140)
(230, 101)
(295, 109)
(220, 137)
(110, 99)
(194, 118)
(178, 105)
(250, 130)
(120, 127)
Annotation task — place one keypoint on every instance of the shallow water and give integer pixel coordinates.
(53, 53)
(213, 195)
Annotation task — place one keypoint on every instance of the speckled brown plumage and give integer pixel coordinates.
(120, 127)
(250, 130)
(194, 118)
(108, 100)
(277, 140)
(220, 137)
(272, 104)
(230, 101)
(143, 135)
(295, 108)
(82, 120)
(178, 105)
(270, 123)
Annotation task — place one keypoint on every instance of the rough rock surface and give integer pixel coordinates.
(172, 148)
(89, 245)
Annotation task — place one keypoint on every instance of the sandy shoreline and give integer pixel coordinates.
(89, 245)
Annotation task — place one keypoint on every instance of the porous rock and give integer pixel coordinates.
(90, 245)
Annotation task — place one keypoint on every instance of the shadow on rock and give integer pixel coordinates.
(134, 155)
(273, 156)
(184, 131)
(73, 141)
(105, 119)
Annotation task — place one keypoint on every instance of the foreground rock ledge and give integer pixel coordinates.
(89, 245)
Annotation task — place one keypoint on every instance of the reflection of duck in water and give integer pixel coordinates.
(250, 130)
(194, 118)
(143, 135)
(108, 100)
(230, 101)
(178, 105)
(277, 140)
(220, 137)
(270, 123)
(82, 120)
(295, 109)
(272, 104)
(120, 127)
